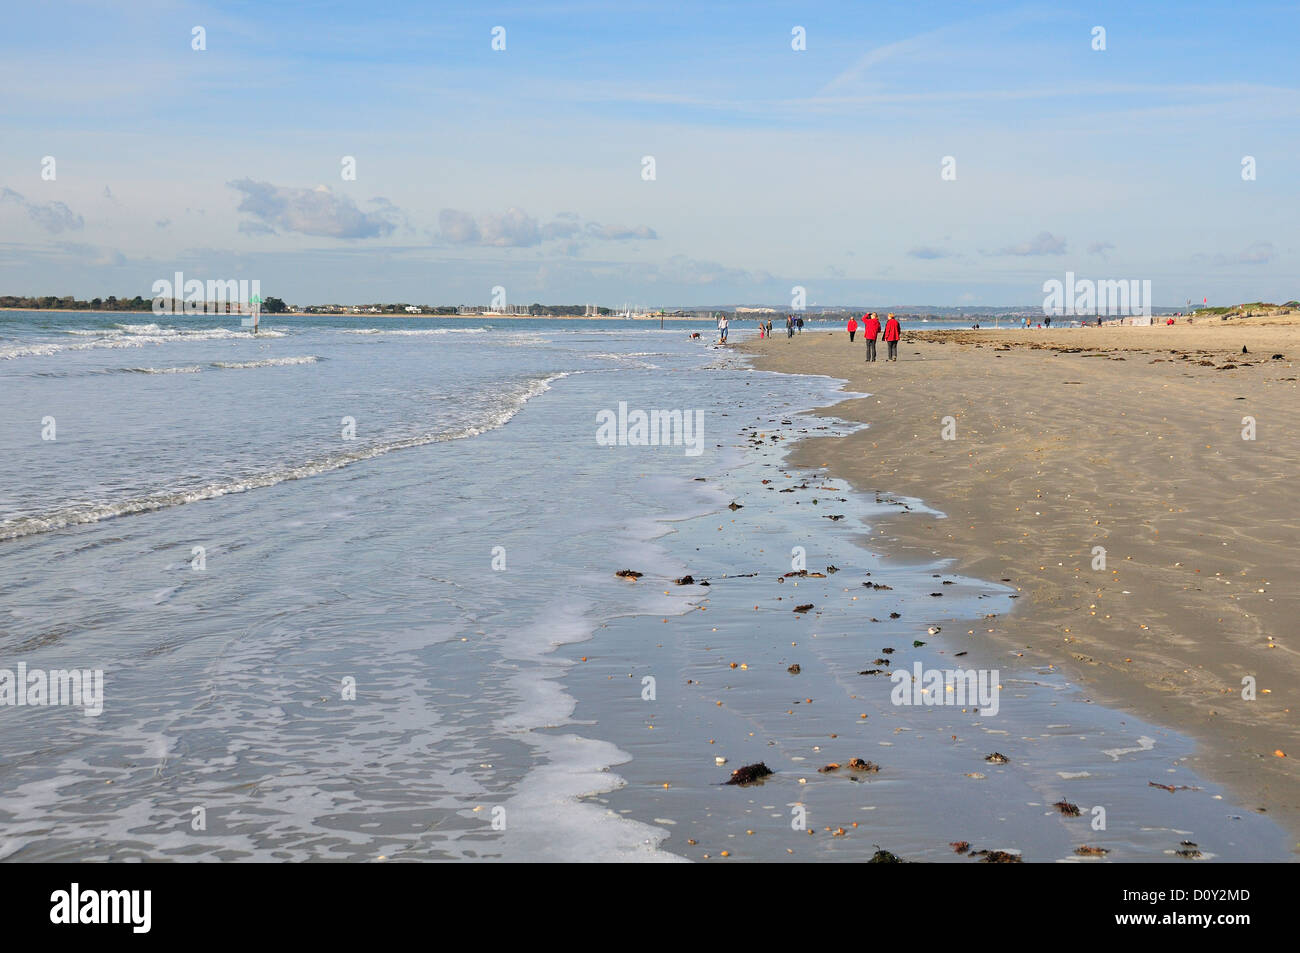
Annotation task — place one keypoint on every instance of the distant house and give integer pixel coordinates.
(412, 309)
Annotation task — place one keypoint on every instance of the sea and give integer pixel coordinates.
(350, 590)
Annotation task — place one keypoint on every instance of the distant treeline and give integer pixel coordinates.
(111, 303)
(401, 307)
(271, 305)
(69, 303)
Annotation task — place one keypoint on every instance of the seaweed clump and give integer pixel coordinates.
(750, 774)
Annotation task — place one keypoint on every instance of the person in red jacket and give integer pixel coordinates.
(892, 333)
(852, 328)
(870, 331)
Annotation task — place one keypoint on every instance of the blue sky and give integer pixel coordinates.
(773, 167)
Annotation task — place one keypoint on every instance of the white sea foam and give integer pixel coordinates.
(631, 359)
(10, 351)
(268, 362)
(613, 355)
(678, 327)
(200, 334)
(130, 335)
(414, 332)
(140, 328)
(188, 369)
(521, 339)
(81, 513)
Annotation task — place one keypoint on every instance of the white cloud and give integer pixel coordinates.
(317, 211)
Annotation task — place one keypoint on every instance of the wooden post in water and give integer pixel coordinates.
(256, 303)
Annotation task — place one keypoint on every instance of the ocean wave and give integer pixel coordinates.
(10, 351)
(188, 369)
(83, 513)
(521, 339)
(140, 328)
(413, 332)
(138, 336)
(268, 362)
(199, 334)
(630, 359)
(679, 327)
(616, 355)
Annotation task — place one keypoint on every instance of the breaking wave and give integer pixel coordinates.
(163, 498)
(631, 359)
(129, 335)
(413, 332)
(268, 362)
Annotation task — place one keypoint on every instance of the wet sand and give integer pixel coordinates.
(1124, 438)
(798, 671)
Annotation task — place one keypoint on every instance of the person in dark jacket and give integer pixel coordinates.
(892, 333)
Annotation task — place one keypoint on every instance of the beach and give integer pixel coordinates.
(1129, 439)
(361, 590)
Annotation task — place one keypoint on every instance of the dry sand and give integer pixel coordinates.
(1126, 438)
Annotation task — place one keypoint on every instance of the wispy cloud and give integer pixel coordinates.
(54, 217)
(685, 270)
(620, 232)
(854, 75)
(95, 255)
(952, 38)
(515, 228)
(1044, 243)
(926, 253)
(1256, 253)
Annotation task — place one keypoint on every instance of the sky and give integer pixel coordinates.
(651, 154)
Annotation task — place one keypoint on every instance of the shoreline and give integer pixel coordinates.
(1177, 619)
(326, 314)
(726, 690)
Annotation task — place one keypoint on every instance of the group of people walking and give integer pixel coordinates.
(792, 324)
(871, 332)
